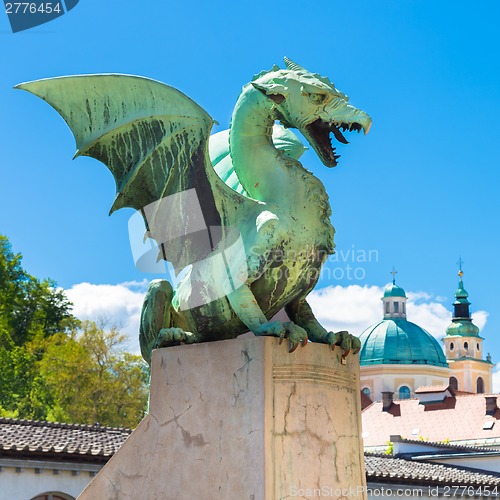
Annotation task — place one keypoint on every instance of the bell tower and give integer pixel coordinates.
(464, 347)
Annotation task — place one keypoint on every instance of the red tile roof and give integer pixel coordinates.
(365, 401)
(431, 388)
(456, 418)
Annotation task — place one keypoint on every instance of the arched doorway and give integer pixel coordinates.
(454, 383)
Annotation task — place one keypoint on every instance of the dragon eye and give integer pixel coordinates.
(317, 98)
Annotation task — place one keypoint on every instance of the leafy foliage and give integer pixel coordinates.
(29, 307)
(92, 380)
(54, 367)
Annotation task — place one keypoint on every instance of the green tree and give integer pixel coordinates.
(53, 367)
(22, 391)
(29, 308)
(90, 378)
(30, 311)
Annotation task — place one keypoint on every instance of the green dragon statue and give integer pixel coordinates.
(251, 224)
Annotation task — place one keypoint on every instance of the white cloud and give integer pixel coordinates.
(351, 308)
(420, 296)
(480, 318)
(432, 316)
(118, 305)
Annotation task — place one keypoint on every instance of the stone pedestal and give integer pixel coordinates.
(243, 419)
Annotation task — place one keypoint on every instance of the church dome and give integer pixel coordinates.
(394, 290)
(398, 341)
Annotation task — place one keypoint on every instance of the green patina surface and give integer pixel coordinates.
(462, 329)
(155, 140)
(394, 291)
(398, 341)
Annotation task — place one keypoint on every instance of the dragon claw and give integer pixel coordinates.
(346, 341)
(295, 334)
(174, 336)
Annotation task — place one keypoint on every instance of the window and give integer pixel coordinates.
(466, 346)
(366, 391)
(452, 346)
(454, 383)
(404, 392)
(396, 307)
(480, 385)
(478, 346)
(403, 306)
(53, 496)
(387, 308)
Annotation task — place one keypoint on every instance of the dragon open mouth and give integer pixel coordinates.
(318, 133)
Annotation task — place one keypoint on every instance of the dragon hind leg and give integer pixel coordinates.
(155, 327)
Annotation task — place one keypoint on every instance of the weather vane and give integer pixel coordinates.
(460, 262)
(394, 272)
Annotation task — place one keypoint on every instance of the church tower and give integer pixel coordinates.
(464, 347)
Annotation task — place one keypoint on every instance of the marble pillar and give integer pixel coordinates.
(243, 419)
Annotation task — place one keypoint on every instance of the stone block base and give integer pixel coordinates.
(242, 419)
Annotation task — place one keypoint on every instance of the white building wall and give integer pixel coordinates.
(491, 463)
(26, 479)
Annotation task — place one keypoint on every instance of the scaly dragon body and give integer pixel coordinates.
(268, 218)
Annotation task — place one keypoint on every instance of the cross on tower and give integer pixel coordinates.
(394, 272)
(460, 262)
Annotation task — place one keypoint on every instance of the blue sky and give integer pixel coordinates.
(419, 191)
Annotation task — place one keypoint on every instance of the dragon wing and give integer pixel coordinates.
(154, 140)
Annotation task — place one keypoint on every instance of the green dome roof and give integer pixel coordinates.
(462, 328)
(461, 294)
(394, 290)
(398, 341)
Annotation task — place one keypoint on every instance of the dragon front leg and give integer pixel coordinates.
(155, 327)
(245, 305)
(301, 313)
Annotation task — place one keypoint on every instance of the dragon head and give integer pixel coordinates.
(311, 103)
